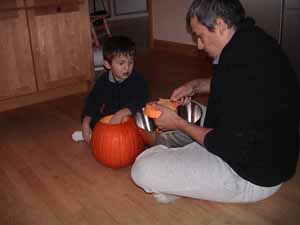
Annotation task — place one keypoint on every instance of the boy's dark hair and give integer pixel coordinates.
(207, 12)
(118, 45)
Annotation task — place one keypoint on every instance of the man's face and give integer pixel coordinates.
(121, 66)
(209, 41)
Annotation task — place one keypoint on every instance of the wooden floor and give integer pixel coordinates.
(47, 179)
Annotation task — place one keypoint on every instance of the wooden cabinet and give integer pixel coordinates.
(45, 50)
(17, 71)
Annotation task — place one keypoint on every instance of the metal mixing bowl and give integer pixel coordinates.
(191, 112)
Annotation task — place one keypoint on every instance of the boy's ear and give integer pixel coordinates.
(106, 64)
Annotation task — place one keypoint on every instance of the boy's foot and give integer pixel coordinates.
(77, 136)
(165, 198)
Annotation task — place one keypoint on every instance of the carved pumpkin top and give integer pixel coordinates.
(151, 112)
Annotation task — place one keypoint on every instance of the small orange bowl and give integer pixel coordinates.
(151, 112)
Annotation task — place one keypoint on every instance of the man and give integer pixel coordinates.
(248, 146)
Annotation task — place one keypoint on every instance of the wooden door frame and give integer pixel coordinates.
(150, 21)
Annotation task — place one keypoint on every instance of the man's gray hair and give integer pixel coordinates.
(207, 12)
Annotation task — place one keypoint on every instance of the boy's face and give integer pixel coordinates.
(121, 66)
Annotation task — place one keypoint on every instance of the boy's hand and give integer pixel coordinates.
(86, 130)
(120, 115)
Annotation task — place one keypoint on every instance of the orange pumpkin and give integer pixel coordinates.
(116, 145)
(151, 112)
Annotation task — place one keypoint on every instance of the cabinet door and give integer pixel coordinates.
(60, 33)
(41, 3)
(16, 65)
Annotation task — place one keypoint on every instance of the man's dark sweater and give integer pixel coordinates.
(108, 97)
(254, 108)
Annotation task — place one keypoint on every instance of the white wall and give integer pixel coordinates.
(169, 20)
(122, 9)
(129, 6)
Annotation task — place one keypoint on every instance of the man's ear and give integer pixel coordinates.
(106, 64)
(221, 26)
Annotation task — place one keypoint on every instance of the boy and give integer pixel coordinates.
(121, 91)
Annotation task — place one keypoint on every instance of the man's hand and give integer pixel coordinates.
(184, 100)
(182, 94)
(168, 119)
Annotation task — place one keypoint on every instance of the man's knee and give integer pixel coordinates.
(139, 172)
(144, 169)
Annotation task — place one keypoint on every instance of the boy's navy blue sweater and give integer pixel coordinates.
(108, 97)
